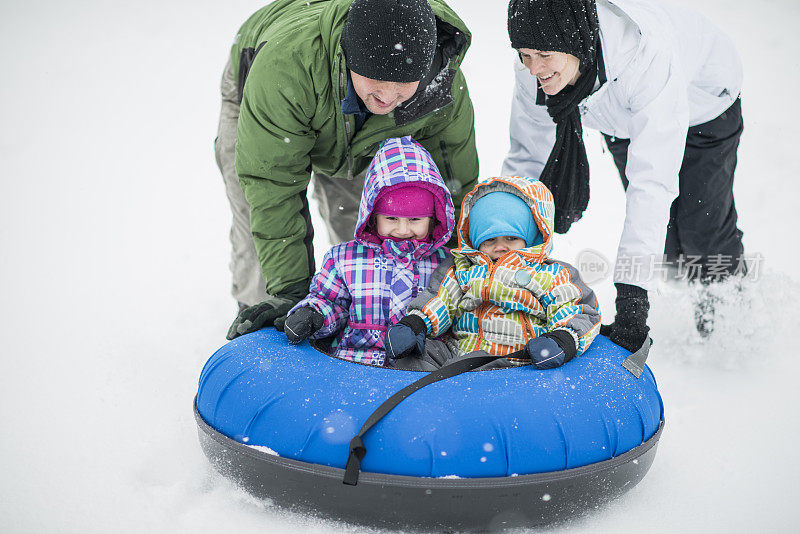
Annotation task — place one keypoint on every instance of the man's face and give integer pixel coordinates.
(382, 97)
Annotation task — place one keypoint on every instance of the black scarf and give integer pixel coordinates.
(566, 172)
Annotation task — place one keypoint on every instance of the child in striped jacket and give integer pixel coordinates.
(501, 292)
(365, 285)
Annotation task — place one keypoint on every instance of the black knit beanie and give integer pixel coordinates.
(390, 40)
(554, 26)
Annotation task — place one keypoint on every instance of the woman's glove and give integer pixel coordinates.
(552, 349)
(271, 312)
(405, 338)
(629, 329)
(302, 323)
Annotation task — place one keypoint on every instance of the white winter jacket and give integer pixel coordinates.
(667, 68)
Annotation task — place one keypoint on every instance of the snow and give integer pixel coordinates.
(114, 224)
(263, 449)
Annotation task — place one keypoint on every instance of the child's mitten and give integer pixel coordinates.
(302, 323)
(405, 338)
(551, 349)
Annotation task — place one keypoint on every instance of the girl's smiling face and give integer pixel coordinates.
(554, 70)
(403, 227)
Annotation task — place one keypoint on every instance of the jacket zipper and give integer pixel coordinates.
(527, 326)
(485, 297)
(347, 127)
(452, 184)
(349, 154)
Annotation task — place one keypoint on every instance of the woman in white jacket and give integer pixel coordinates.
(662, 84)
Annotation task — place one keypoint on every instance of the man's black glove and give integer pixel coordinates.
(629, 329)
(302, 323)
(551, 349)
(405, 338)
(271, 312)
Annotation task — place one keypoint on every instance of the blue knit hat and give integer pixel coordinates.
(500, 214)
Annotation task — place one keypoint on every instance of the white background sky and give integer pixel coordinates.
(113, 226)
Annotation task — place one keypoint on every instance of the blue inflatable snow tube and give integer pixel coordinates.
(293, 402)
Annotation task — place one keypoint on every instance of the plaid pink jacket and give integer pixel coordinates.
(365, 285)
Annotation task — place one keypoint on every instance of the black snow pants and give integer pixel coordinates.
(702, 224)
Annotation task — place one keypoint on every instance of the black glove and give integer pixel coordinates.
(302, 323)
(629, 329)
(551, 350)
(271, 312)
(405, 338)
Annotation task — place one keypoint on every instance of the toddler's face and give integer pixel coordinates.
(498, 246)
(403, 227)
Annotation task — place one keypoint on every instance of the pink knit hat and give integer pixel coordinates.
(404, 200)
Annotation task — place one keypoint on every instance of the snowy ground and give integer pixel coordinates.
(113, 225)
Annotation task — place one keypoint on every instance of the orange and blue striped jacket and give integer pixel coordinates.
(499, 306)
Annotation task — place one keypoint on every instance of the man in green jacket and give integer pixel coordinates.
(311, 89)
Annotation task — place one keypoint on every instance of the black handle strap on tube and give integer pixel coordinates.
(357, 449)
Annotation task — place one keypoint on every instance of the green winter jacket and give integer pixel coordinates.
(292, 78)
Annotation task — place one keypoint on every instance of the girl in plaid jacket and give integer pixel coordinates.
(365, 285)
